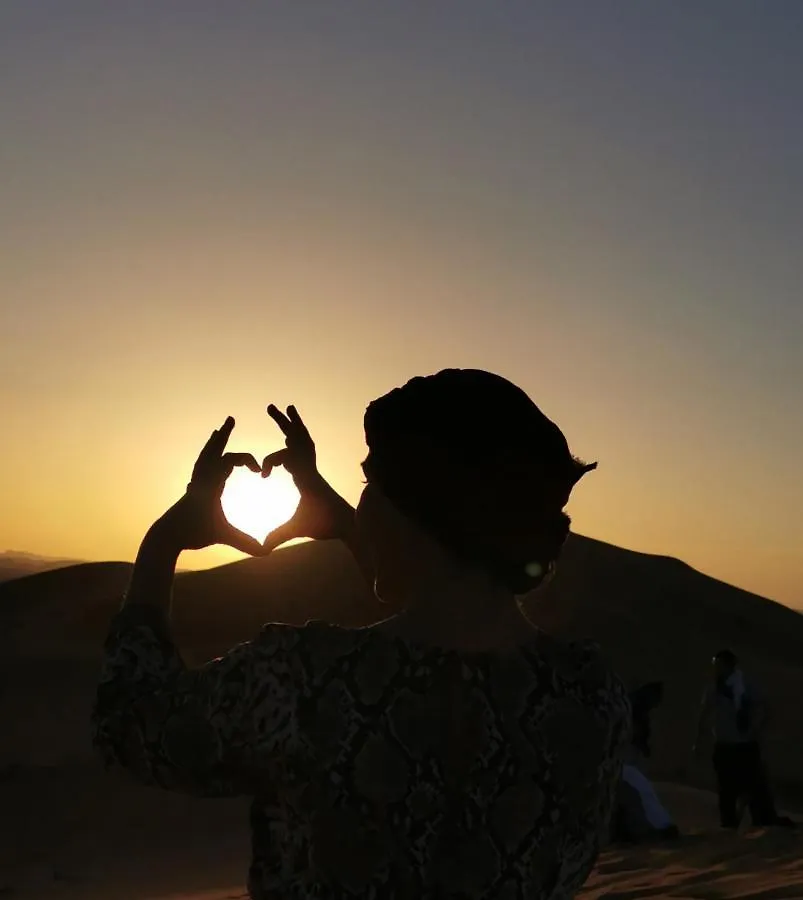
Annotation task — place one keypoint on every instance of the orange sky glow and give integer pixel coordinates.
(198, 220)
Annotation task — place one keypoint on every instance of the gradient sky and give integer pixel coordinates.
(205, 207)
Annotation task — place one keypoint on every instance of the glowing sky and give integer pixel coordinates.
(205, 207)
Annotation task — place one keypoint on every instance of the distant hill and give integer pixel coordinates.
(655, 617)
(18, 564)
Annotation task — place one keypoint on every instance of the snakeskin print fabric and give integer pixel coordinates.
(379, 769)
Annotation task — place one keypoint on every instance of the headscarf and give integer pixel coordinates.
(472, 459)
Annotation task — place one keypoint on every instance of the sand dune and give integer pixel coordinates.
(16, 564)
(67, 830)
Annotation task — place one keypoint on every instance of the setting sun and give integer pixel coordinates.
(257, 505)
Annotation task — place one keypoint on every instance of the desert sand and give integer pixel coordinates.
(69, 830)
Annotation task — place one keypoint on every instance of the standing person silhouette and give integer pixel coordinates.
(451, 750)
(737, 711)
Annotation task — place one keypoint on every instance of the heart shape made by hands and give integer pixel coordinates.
(257, 505)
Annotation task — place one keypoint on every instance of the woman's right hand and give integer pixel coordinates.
(322, 513)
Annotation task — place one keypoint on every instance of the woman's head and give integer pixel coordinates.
(472, 461)
(725, 663)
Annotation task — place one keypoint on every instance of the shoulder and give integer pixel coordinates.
(578, 675)
(608, 729)
(316, 630)
(582, 665)
(598, 679)
(277, 637)
(313, 648)
(583, 718)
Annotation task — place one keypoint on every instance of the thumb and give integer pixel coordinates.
(281, 535)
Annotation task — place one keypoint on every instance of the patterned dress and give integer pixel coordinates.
(379, 769)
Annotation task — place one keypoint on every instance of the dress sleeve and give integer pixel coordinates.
(208, 731)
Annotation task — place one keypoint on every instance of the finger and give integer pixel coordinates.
(222, 469)
(298, 423)
(208, 448)
(223, 435)
(214, 447)
(272, 460)
(280, 419)
(241, 541)
(281, 535)
(232, 460)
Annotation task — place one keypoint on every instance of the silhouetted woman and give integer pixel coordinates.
(452, 750)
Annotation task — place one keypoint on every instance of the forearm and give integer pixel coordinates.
(346, 529)
(154, 570)
(342, 522)
(140, 661)
(361, 557)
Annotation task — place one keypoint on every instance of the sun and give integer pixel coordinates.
(258, 505)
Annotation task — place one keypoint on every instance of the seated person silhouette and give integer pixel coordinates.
(640, 815)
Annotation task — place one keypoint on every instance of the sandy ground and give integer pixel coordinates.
(706, 863)
(73, 833)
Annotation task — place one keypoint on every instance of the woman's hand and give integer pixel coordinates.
(197, 520)
(322, 513)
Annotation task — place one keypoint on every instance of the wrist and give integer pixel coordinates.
(343, 518)
(163, 538)
(340, 510)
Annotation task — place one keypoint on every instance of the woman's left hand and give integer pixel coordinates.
(198, 520)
